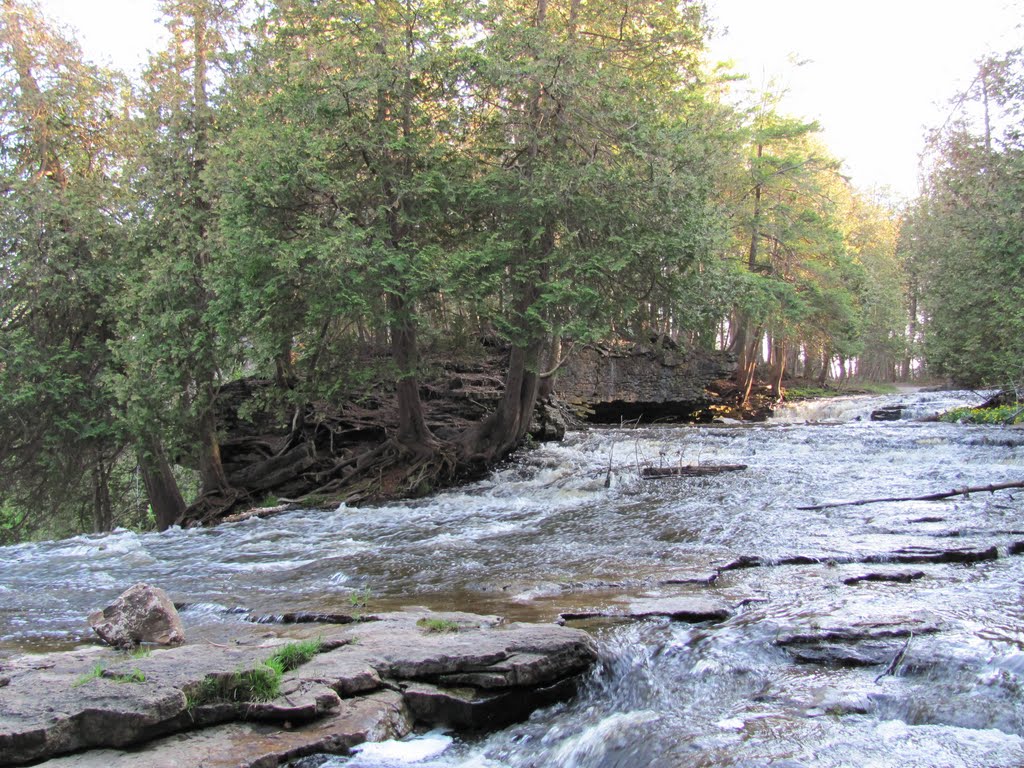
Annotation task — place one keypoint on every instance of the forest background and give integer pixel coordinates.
(323, 195)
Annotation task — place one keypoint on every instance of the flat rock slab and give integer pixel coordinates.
(58, 703)
(936, 555)
(404, 647)
(898, 577)
(832, 629)
(377, 717)
(705, 578)
(690, 609)
(100, 699)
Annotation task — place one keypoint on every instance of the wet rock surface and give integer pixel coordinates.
(890, 413)
(484, 673)
(693, 609)
(897, 577)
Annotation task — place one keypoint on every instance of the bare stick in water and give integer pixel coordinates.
(896, 660)
(928, 497)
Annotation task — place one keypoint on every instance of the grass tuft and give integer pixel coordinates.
(294, 655)
(135, 676)
(437, 625)
(261, 683)
(92, 674)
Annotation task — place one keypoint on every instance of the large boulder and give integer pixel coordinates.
(142, 614)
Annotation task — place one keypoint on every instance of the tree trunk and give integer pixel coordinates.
(779, 367)
(826, 363)
(547, 384)
(161, 487)
(102, 515)
(214, 479)
(911, 332)
(412, 424)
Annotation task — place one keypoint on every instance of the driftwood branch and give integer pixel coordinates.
(692, 470)
(927, 497)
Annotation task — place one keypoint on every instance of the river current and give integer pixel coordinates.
(557, 531)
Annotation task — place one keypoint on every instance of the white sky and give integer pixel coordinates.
(879, 72)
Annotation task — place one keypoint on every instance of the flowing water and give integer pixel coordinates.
(556, 531)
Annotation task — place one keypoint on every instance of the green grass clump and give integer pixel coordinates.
(92, 674)
(135, 676)
(437, 625)
(261, 683)
(294, 655)
(1002, 414)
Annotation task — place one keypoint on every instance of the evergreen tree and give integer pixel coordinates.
(60, 210)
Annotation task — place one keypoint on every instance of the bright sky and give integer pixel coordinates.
(879, 72)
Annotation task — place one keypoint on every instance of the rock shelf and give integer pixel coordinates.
(371, 681)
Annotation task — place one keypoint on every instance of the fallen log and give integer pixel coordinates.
(691, 470)
(927, 497)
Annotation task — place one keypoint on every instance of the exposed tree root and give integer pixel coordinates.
(321, 456)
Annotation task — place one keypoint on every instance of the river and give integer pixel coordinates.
(547, 534)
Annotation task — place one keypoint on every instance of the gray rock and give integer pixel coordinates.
(66, 702)
(691, 609)
(142, 614)
(376, 717)
(651, 378)
(547, 424)
(889, 413)
(832, 629)
(705, 578)
(473, 709)
(513, 655)
(933, 555)
(346, 673)
(899, 577)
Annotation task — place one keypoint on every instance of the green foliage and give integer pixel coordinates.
(260, 683)
(809, 393)
(1003, 414)
(135, 675)
(437, 626)
(965, 234)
